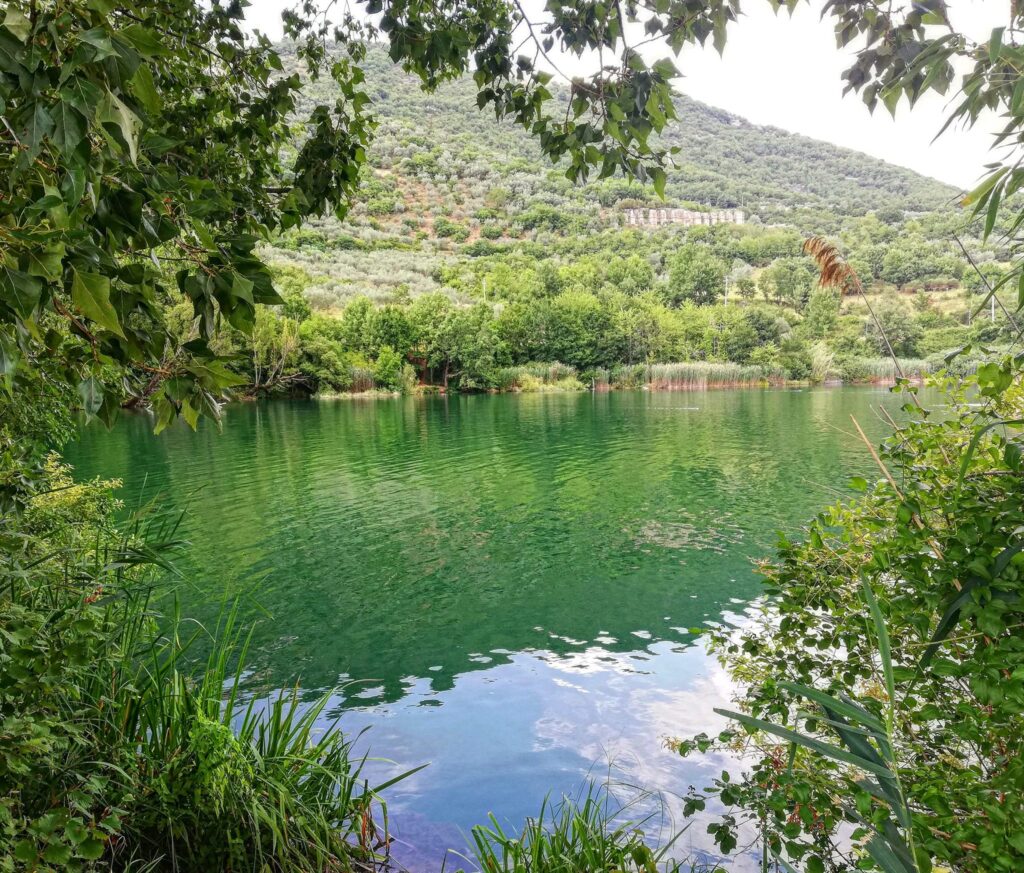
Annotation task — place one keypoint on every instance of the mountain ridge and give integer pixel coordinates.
(726, 161)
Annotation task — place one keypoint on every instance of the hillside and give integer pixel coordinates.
(437, 154)
(471, 263)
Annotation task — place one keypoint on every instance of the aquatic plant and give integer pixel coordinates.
(886, 369)
(707, 374)
(590, 833)
(537, 377)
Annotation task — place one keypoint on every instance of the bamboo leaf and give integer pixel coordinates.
(884, 648)
(822, 748)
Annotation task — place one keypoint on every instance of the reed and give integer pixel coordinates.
(536, 376)
(884, 369)
(361, 379)
(687, 375)
(626, 376)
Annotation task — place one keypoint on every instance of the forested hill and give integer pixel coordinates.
(440, 152)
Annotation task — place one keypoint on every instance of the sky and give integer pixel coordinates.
(787, 72)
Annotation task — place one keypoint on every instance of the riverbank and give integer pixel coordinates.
(680, 376)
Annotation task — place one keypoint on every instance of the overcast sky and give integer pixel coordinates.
(787, 71)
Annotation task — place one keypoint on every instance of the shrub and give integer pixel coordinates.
(444, 227)
(387, 371)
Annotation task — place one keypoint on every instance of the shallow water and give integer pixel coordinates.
(502, 586)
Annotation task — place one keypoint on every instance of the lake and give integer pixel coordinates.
(503, 586)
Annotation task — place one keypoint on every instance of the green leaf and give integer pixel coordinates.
(76, 831)
(82, 94)
(22, 291)
(112, 113)
(25, 851)
(145, 90)
(658, 178)
(90, 292)
(68, 126)
(979, 193)
(993, 210)
(242, 288)
(885, 856)
(815, 745)
(144, 39)
(995, 44)
(91, 393)
(40, 125)
(884, 648)
(91, 849)
(10, 355)
(57, 853)
(99, 39)
(850, 710)
(18, 23)
(47, 263)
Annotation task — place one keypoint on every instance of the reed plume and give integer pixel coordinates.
(834, 271)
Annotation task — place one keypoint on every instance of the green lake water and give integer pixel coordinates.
(502, 586)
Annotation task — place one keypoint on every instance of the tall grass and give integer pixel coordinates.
(362, 379)
(629, 376)
(586, 834)
(225, 784)
(131, 751)
(538, 377)
(707, 374)
(884, 369)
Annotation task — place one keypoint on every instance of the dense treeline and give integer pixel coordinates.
(605, 303)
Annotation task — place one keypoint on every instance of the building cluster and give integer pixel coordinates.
(685, 217)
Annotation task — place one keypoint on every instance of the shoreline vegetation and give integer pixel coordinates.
(691, 376)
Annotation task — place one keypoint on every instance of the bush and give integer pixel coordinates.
(889, 643)
(387, 371)
(445, 228)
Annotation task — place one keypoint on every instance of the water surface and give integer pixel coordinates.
(502, 586)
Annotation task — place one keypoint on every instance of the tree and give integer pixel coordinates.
(895, 327)
(695, 274)
(388, 326)
(356, 321)
(275, 344)
(822, 313)
(155, 147)
(901, 265)
(788, 280)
